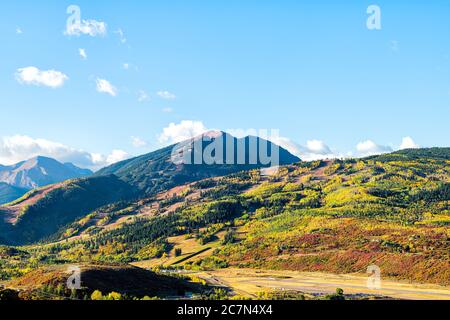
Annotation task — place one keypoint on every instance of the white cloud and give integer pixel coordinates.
(19, 30)
(117, 156)
(408, 143)
(82, 53)
(14, 149)
(143, 96)
(368, 148)
(34, 76)
(126, 66)
(17, 148)
(318, 150)
(182, 131)
(138, 142)
(166, 95)
(100, 160)
(104, 86)
(88, 27)
(318, 147)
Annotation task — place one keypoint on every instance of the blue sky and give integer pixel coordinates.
(312, 69)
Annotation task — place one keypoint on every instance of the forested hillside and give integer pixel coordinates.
(332, 216)
(40, 213)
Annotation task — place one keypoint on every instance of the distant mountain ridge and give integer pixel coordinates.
(38, 172)
(9, 193)
(17, 179)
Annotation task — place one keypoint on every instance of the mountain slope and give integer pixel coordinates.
(38, 172)
(43, 211)
(140, 177)
(79, 171)
(9, 193)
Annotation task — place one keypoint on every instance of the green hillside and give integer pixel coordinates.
(39, 215)
(329, 216)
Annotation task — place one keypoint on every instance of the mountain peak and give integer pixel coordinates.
(211, 134)
(214, 134)
(40, 171)
(41, 160)
(198, 158)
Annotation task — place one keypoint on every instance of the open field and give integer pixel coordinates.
(191, 250)
(249, 282)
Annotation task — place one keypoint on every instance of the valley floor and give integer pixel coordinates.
(249, 282)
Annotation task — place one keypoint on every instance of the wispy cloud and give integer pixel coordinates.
(408, 143)
(368, 148)
(82, 53)
(129, 66)
(166, 95)
(34, 76)
(138, 142)
(104, 86)
(121, 36)
(114, 157)
(143, 96)
(92, 28)
(178, 132)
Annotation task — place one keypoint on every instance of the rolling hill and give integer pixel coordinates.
(113, 282)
